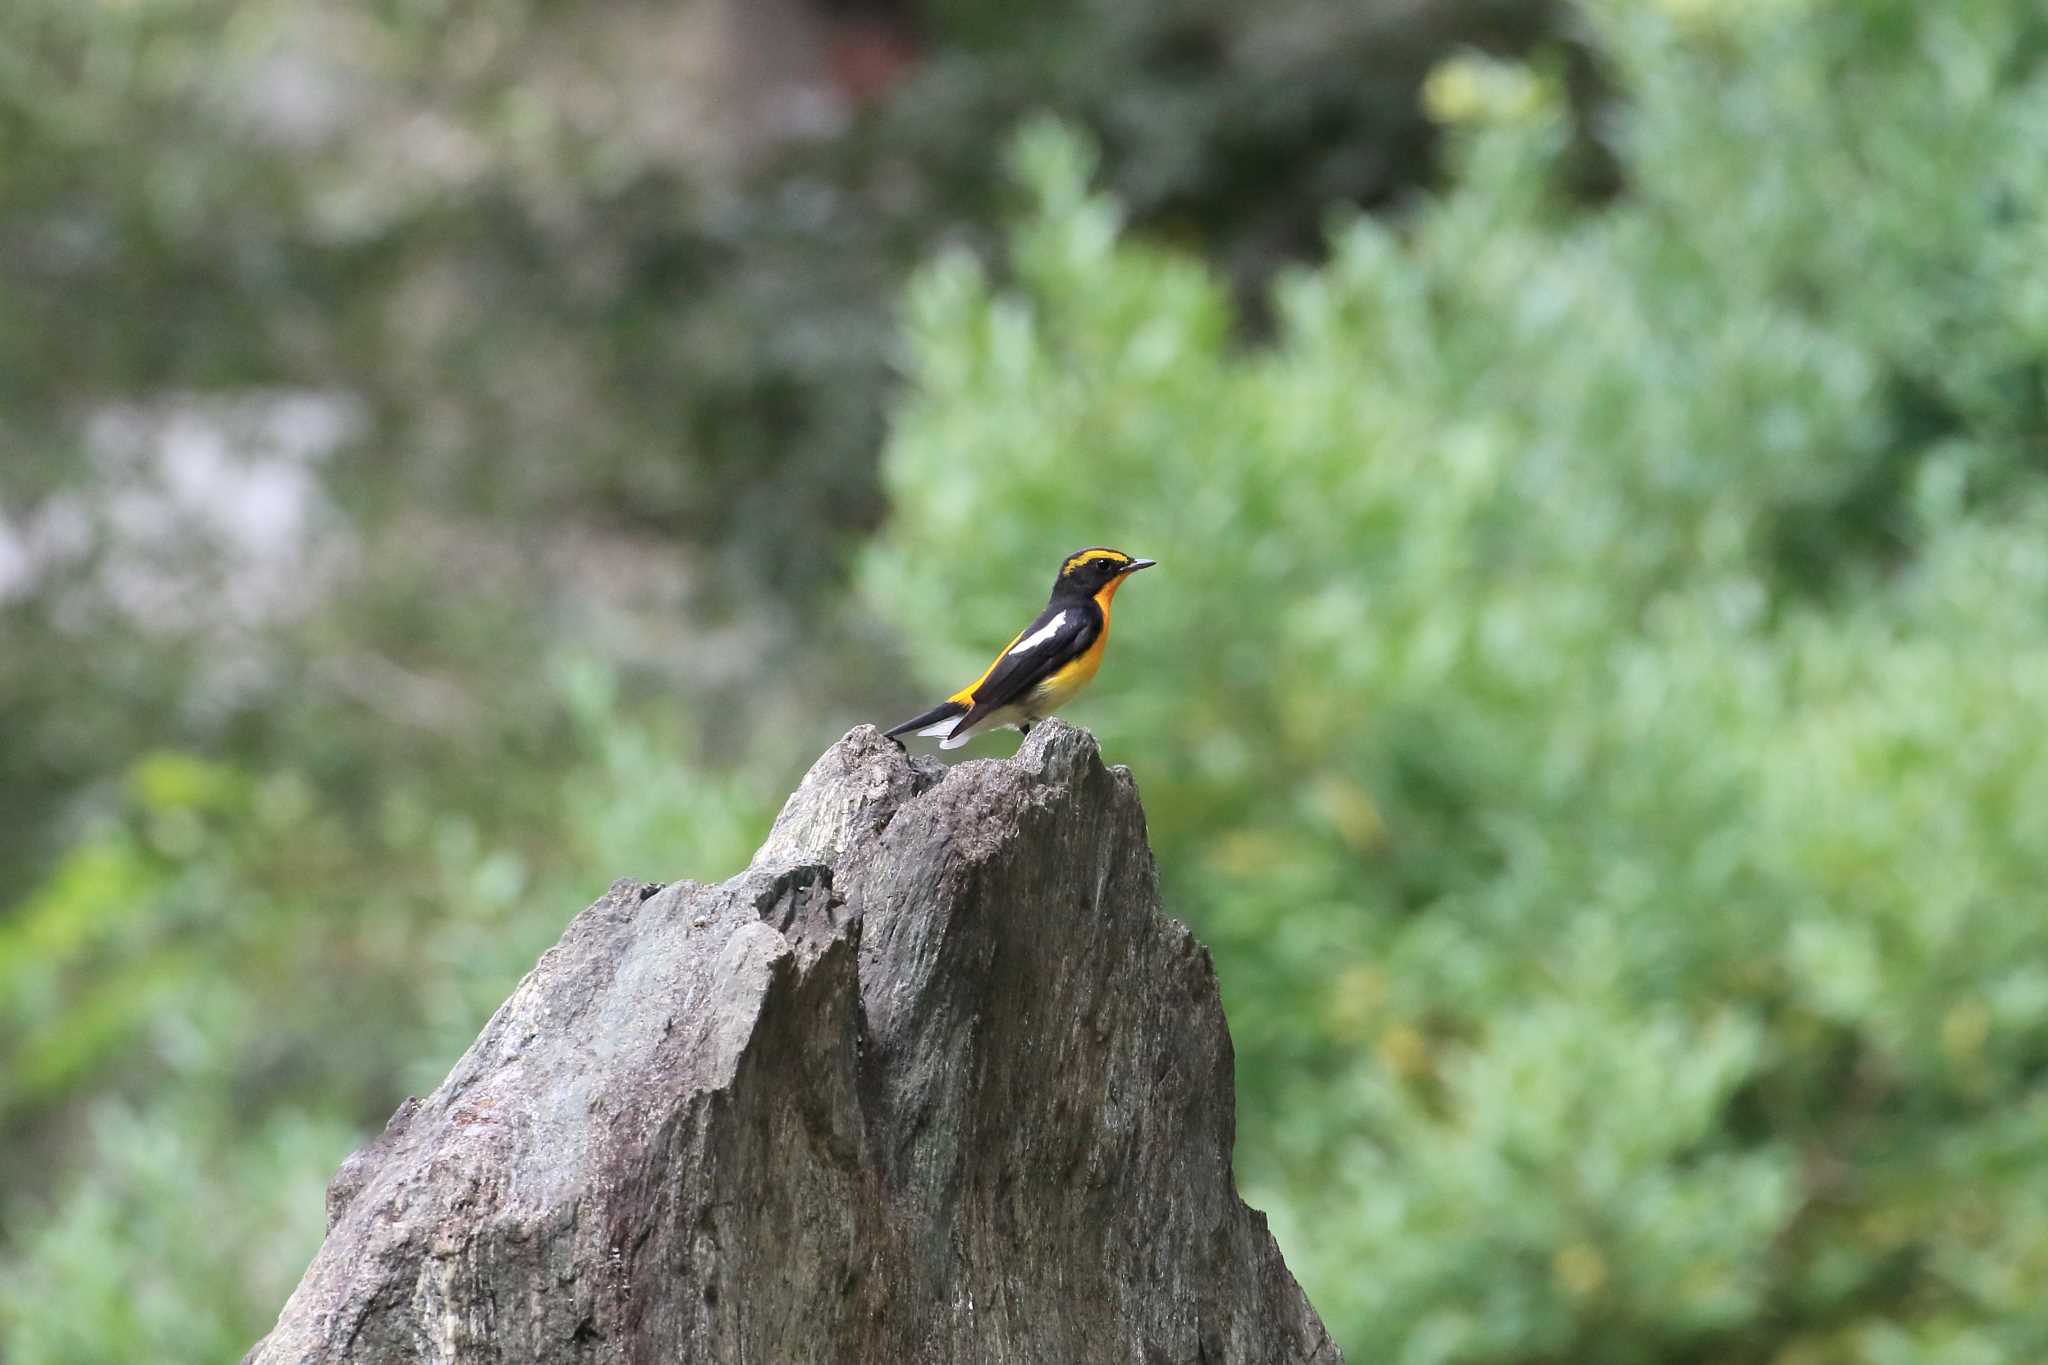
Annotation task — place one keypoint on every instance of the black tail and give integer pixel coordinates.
(939, 712)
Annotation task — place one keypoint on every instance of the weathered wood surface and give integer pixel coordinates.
(935, 1080)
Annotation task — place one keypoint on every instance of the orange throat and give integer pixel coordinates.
(1107, 591)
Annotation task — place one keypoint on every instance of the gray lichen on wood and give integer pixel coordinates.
(934, 1080)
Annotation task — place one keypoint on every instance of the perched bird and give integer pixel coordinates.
(1046, 662)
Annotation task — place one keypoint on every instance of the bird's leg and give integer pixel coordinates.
(1024, 726)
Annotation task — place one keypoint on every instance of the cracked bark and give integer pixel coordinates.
(933, 1080)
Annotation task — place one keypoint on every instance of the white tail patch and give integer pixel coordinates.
(978, 722)
(944, 727)
(1039, 636)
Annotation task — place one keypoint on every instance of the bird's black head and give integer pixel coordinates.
(1096, 572)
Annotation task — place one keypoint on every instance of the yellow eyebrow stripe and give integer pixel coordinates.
(1078, 560)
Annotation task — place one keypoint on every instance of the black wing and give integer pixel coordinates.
(1059, 635)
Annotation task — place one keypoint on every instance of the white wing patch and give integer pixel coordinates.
(1039, 636)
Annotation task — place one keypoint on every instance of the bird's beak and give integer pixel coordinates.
(1138, 564)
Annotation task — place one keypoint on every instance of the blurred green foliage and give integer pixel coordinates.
(1591, 696)
(1588, 699)
(547, 308)
(434, 438)
(233, 971)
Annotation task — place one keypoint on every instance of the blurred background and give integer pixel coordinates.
(456, 454)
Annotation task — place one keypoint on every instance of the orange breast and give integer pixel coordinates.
(1055, 691)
